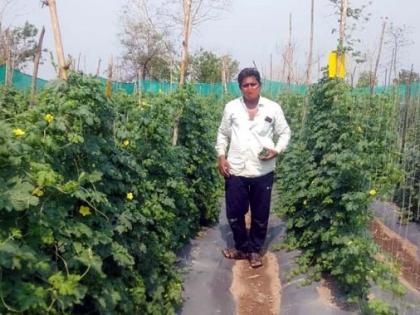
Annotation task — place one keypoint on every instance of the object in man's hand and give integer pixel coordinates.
(264, 153)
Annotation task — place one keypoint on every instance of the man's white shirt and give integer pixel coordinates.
(245, 138)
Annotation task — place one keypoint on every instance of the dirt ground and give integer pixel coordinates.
(403, 250)
(256, 291)
(268, 289)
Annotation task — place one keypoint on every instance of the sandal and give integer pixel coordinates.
(255, 260)
(232, 253)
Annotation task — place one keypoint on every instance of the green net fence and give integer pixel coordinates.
(269, 88)
(20, 80)
(23, 81)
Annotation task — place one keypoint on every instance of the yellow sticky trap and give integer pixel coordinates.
(108, 88)
(336, 65)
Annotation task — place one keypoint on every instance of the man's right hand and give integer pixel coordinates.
(224, 168)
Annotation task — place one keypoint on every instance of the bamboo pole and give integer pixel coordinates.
(224, 84)
(9, 63)
(184, 62)
(57, 39)
(108, 85)
(311, 44)
(289, 53)
(185, 41)
(375, 72)
(271, 75)
(319, 67)
(98, 67)
(340, 50)
(405, 118)
(78, 62)
(391, 66)
(37, 58)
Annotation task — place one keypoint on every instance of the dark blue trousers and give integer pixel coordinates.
(241, 193)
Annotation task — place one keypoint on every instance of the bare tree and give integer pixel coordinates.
(148, 50)
(4, 4)
(144, 48)
(188, 14)
(397, 38)
(192, 13)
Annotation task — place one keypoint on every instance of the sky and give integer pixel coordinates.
(250, 31)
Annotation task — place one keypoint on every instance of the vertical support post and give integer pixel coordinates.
(9, 62)
(108, 85)
(37, 58)
(62, 74)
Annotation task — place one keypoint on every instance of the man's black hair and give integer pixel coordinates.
(249, 72)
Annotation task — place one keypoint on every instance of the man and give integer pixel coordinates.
(249, 126)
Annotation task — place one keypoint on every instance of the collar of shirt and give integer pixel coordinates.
(260, 103)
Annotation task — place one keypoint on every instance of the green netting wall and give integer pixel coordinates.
(23, 81)
(269, 88)
(20, 80)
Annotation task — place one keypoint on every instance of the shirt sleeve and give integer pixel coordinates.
(282, 130)
(223, 133)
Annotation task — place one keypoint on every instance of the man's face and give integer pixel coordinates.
(250, 88)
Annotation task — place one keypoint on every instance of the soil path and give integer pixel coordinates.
(256, 291)
(214, 285)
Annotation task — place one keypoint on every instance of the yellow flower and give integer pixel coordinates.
(38, 192)
(84, 211)
(305, 202)
(49, 118)
(372, 192)
(18, 132)
(130, 196)
(126, 142)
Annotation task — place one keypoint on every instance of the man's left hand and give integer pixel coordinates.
(271, 154)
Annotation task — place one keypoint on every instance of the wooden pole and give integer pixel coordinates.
(98, 67)
(406, 108)
(375, 72)
(340, 50)
(391, 66)
(289, 52)
(78, 62)
(311, 44)
(224, 85)
(319, 67)
(184, 62)
(62, 74)
(108, 85)
(271, 67)
(37, 58)
(271, 75)
(186, 37)
(9, 63)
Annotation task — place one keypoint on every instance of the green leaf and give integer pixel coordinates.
(121, 255)
(20, 196)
